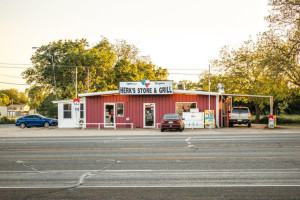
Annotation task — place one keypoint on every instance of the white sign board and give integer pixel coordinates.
(145, 87)
(193, 120)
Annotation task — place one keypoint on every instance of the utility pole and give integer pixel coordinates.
(12, 107)
(76, 82)
(52, 59)
(88, 79)
(209, 87)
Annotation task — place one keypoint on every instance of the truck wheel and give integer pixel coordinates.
(162, 130)
(230, 124)
(249, 125)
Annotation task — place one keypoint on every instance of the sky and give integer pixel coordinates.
(176, 34)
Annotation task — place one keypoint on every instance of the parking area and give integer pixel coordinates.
(13, 131)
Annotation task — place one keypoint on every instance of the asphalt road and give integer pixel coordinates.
(206, 166)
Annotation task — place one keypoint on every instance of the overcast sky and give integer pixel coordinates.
(176, 34)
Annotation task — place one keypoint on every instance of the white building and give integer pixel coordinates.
(3, 111)
(70, 114)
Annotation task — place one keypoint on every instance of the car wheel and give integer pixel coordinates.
(249, 125)
(162, 130)
(22, 125)
(46, 124)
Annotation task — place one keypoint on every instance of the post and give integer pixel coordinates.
(52, 59)
(88, 81)
(12, 107)
(76, 82)
(209, 87)
(271, 105)
(209, 91)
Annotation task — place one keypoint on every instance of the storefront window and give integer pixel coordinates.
(81, 110)
(184, 107)
(67, 111)
(120, 109)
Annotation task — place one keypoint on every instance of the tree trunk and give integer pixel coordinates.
(256, 113)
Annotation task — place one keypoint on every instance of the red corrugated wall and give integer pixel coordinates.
(133, 106)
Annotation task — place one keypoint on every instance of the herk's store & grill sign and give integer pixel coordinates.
(145, 87)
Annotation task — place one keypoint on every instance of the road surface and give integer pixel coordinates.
(206, 166)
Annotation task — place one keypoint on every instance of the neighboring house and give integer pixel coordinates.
(15, 110)
(3, 111)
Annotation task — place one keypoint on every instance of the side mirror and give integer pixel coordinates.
(183, 119)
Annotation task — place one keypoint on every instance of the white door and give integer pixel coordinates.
(149, 115)
(109, 115)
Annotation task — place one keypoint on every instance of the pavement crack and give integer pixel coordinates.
(27, 166)
(80, 182)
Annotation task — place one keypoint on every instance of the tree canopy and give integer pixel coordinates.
(99, 68)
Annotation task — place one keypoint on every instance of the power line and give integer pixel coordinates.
(4, 75)
(13, 64)
(14, 83)
(13, 67)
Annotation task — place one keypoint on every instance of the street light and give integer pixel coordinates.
(52, 61)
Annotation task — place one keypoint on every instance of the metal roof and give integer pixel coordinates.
(175, 92)
(246, 95)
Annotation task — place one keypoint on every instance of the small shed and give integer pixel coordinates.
(70, 114)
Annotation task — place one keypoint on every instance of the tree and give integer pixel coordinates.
(4, 100)
(100, 67)
(47, 108)
(284, 38)
(15, 95)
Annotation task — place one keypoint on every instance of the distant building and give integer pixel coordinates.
(3, 111)
(15, 110)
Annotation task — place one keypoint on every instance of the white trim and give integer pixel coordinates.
(245, 95)
(217, 111)
(84, 120)
(144, 124)
(99, 93)
(104, 117)
(117, 109)
(195, 92)
(184, 102)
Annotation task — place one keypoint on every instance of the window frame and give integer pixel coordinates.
(81, 111)
(183, 102)
(123, 109)
(67, 111)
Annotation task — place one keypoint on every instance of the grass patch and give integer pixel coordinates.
(7, 120)
(288, 120)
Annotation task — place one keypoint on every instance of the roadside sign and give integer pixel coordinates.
(209, 116)
(76, 104)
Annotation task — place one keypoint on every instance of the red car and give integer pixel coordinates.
(172, 121)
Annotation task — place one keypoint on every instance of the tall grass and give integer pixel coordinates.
(281, 119)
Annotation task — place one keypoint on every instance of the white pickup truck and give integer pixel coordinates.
(240, 115)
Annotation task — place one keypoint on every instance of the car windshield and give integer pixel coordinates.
(171, 117)
(240, 110)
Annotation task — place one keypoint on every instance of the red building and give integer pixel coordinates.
(113, 108)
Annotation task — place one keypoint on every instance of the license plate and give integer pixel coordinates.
(171, 126)
(239, 120)
(170, 122)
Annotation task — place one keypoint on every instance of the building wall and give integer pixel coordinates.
(133, 106)
(3, 111)
(72, 122)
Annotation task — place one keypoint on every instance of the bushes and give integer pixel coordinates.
(6, 120)
(281, 119)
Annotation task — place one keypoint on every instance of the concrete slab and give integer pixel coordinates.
(13, 131)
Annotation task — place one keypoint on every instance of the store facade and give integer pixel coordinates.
(144, 106)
